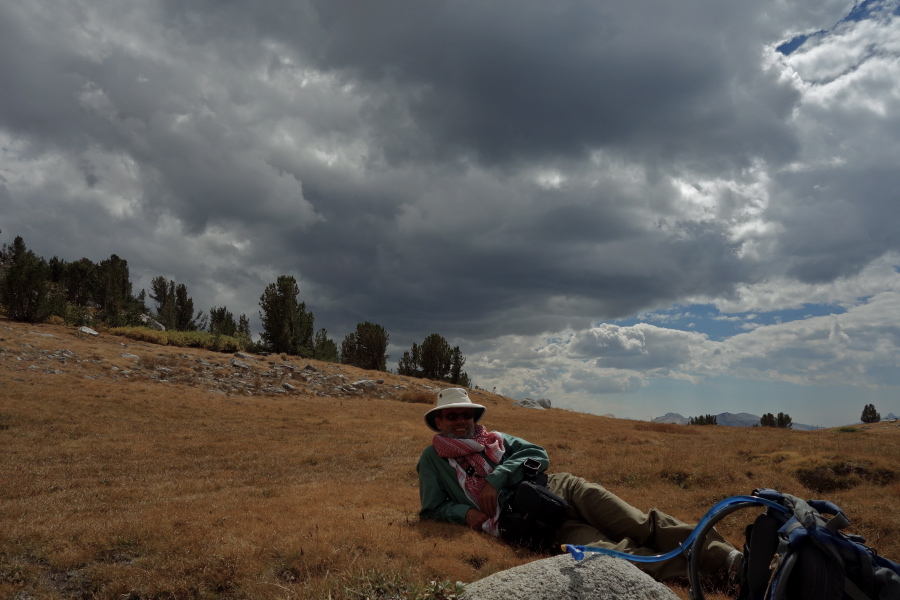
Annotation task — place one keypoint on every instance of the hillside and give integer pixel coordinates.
(139, 471)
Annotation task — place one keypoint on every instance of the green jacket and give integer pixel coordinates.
(443, 499)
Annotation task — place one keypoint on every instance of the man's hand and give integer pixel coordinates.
(487, 499)
(475, 518)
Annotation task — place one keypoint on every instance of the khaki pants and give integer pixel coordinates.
(597, 517)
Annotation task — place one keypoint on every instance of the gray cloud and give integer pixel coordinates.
(527, 81)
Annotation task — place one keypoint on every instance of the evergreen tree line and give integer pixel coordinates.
(705, 420)
(869, 415)
(82, 292)
(767, 420)
(33, 289)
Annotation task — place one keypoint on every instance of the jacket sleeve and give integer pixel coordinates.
(441, 496)
(509, 471)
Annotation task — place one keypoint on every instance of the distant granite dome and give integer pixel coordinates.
(672, 418)
(540, 404)
(737, 420)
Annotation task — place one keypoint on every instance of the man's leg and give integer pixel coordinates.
(593, 510)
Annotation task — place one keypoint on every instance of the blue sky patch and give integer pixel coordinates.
(706, 318)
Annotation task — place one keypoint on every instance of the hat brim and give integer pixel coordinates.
(431, 414)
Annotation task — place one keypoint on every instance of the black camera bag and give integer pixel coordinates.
(533, 515)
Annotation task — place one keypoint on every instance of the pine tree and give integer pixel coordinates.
(185, 319)
(221, 322)
(870, 415)
(409, 363)
(457, 375)
(436, 360)
(117, 305)
(784, 421)
(162, 292)
(81, 282)
(174, 308)
(366, 347)
(287, 326)
(243, 331)
(324, 348)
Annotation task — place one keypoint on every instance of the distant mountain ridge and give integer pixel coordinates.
(727, 419)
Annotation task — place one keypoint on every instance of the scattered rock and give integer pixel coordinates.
(88, 331)
(365, 384)
(217, 373)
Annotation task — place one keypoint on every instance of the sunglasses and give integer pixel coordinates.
(456, 416)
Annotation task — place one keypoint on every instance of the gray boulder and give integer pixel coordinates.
(598, 577)
(152, 323)
(540, 404)
(365, 384)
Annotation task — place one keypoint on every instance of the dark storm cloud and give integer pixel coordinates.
(525, 80)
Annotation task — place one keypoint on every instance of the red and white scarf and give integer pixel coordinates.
(462, 453)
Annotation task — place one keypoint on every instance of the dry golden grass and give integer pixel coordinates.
(128, 488)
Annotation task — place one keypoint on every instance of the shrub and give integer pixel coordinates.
(418, 397)
(184, 339)
(844, 475)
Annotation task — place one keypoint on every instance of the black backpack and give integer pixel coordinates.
(793, 552)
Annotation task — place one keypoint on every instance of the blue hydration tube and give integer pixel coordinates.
(724, 506)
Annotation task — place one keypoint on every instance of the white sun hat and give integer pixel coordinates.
(452, 398)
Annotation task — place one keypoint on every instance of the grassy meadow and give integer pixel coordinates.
(128, 488)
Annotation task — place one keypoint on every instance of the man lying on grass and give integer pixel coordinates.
(469, 476)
